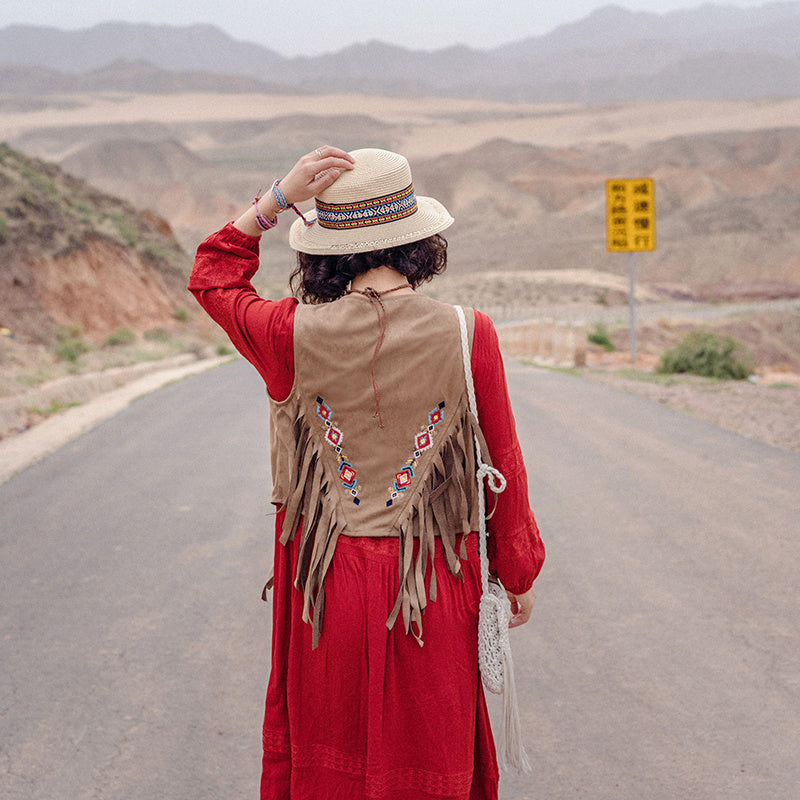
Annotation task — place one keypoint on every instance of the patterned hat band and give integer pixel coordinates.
(364, 213)
(366, 209)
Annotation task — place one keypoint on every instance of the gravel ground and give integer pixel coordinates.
(768, 411)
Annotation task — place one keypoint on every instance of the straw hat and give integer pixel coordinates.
(370, 207)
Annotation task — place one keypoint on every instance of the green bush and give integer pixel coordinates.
(71, 345)
(85, 212)
(599, 335)
(181, 314)
(156, 335)
(704, 353)
(126, 228)
(120, 337)
(54, 408)
(156, 253)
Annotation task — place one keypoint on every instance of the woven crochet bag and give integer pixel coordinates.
(494, 646)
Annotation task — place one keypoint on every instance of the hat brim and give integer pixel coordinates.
(431, 217)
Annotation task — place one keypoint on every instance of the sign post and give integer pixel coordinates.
(631, 226)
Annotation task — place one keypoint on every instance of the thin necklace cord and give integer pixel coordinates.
(374, 298)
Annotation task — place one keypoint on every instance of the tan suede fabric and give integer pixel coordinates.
(389, 457)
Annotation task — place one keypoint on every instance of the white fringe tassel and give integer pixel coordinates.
(512, 750)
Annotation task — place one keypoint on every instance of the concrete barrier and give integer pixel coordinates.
(74, 390)
(549, 342)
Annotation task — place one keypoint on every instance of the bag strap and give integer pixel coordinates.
(513, 751)
(494, 478)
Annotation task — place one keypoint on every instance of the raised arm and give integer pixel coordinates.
(226, 261)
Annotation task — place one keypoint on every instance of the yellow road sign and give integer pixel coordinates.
(630, 214)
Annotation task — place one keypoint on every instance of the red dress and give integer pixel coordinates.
(369, 713)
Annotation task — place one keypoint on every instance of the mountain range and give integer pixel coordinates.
(613, 54)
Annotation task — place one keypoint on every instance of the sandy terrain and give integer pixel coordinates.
(525, 182)
(434, 125)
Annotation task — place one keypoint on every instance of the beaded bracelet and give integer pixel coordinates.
(283, 204)
(265, 223)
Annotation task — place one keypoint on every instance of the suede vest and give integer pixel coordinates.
(375, 439)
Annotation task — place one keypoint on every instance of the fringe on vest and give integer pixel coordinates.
(443, 505)
(312, 497)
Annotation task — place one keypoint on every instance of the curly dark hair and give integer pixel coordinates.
(320, 279)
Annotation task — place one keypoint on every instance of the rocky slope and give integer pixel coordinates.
(73, 256)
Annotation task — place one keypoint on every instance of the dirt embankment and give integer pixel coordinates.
(73, 256)
(87, 284)
(100, 287)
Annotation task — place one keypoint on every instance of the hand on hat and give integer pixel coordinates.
(314, 173)
(308, 177)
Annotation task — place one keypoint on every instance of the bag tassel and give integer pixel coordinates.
(512, 750)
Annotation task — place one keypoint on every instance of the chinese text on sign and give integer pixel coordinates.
(631, 214)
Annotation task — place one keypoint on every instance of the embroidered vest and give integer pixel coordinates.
(375, 439)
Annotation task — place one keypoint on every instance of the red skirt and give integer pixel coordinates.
(370, 714)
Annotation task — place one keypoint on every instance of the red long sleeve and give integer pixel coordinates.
(516, 552)
(261, 330)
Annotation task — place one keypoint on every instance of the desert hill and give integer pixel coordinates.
(143, 163)
(727, 203)
(526, 183)
(727, 208)
(71, 255)
(123, 75)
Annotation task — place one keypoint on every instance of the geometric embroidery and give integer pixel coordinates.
(364, 213)
(334, 437)
(422, 441)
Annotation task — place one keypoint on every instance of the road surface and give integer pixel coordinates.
(661, 661)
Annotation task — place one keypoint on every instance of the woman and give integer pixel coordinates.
(374, 689)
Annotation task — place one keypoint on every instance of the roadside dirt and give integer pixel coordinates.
(34, 387)
(766, 409)
(99, 396)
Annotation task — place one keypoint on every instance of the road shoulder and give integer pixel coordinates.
(20, 451)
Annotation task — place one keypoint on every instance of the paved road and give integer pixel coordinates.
(134, 640)
(664, 656)
(661, 662)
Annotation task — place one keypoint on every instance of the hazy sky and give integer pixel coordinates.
(310, 27)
